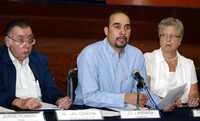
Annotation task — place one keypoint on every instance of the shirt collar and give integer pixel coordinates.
(160, 57)
(14, 60)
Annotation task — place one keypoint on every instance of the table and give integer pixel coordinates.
(181, 114)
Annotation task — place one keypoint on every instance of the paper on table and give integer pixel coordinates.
(48, 106)
(127, 107)
(2, 109)
(171, 97)
(106, 113)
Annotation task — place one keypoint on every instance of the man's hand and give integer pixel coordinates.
(64, 102)
(131, 98)
(28, 103)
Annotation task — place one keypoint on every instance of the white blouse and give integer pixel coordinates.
(162, 80)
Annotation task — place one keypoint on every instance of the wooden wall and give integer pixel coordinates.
(63, 30)
(156, 3)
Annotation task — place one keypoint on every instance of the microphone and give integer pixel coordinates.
(140, 85)
(139, 78)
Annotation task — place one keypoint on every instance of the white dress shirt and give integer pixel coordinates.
(26, 85)
(162, 80)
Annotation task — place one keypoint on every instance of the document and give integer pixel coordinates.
(108, 113)
(131, 112)
(2, 109)
(86, 114)
(48, 106)
(171, 97)
(20, 116)
(127, 107)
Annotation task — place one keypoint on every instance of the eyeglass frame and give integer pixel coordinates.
(171, 36)
(21, 41)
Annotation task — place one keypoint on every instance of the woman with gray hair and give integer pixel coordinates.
(167, 68)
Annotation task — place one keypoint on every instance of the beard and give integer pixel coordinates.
(121, 42)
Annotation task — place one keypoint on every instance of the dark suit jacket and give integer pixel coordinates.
(39, 66)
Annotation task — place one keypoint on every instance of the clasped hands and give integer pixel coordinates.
(33, 103)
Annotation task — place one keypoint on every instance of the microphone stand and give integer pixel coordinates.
(139, 87)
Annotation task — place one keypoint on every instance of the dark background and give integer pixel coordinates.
(64, 27)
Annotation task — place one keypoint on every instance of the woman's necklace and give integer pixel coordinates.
(171, 59)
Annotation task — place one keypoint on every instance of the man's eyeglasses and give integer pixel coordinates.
(170, 36)
(20, 41)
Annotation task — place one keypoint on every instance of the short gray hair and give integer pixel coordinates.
(170, 21)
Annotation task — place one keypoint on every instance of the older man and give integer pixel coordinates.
(25, 80)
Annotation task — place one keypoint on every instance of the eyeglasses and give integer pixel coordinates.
(20, 41)
(170, 36)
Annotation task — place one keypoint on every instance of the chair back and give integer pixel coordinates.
(72, 81)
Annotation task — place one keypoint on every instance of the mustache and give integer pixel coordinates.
(122, 37)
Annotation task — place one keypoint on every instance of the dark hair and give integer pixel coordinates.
(20, 22)
(116, 12)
